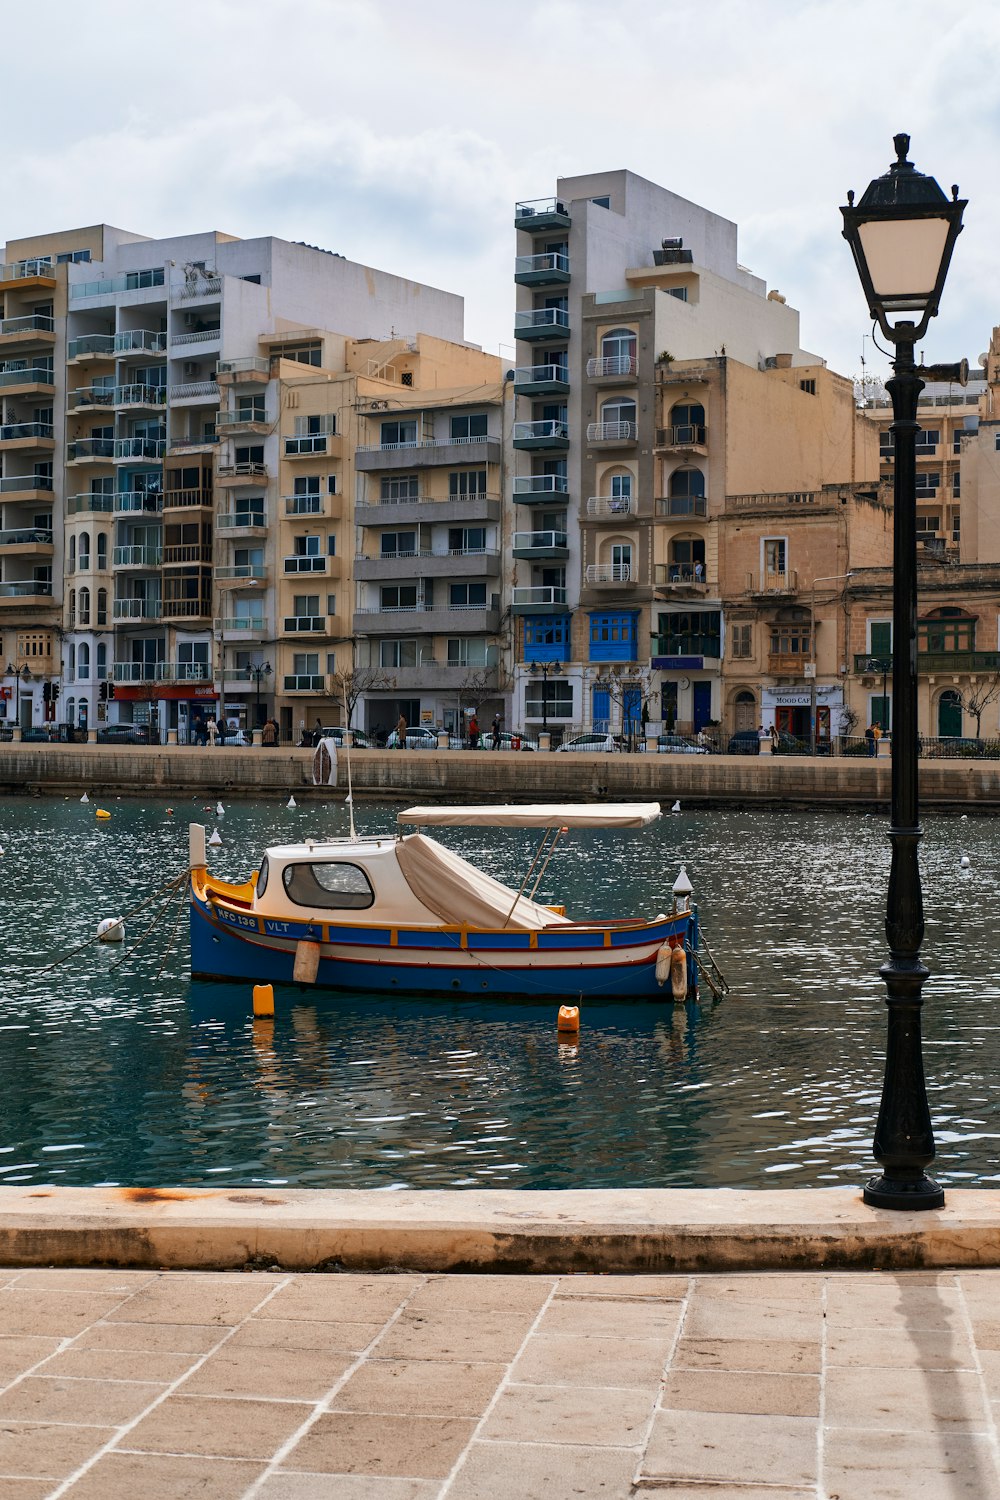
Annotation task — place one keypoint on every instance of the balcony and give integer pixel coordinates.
(531, 436)
(90, 451)
(679, 507)
(252, 627)
(131, 281)
(147, 396)
(91, 346)
(427, 564)
(312, 445)
(426, 453)
(132, 502)
(36, 274)
(453, 508)
(241, 522)
(533, 545)
(612, 368)
(195, 336)
(539, 600)
(184, 609)
(687, 438)
(681, 578)
(251, 370)
(550, 269)
(787, 664)
(184, 554)
(201, 285)
(773, 583)
(27, 539)
(307, 624)
(541, 214)
(240, 574)
(29, 380)
(304, 683)
(89, 504)
(932, 663)
(542, 323)
(478, 619)
(186, 499)
(14, 593)
(541, 380)
(27, 437)
(134, 672)
(183, 671)
(137, 609)
(193, 392)
(140, 341)
(612, 434)
(36, 328)
(90, 397)
(328, 566)
(603, 575)
(540, 489)
(138, 557)
(610, 507)
(308, 505)
(233, 476)
(183, 446)
(249, 420)
(133, 449)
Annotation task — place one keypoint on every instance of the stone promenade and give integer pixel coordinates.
(413, 1386)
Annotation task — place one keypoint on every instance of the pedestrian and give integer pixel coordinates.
(269, 734)
(877, 735)
(496, 731)
(317, 731)
(473, 733)
(401, 732)
(762, 735)
(699, 572)
(211, 730)
(872, 742)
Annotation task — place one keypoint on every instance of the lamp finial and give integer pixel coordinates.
(902, 145)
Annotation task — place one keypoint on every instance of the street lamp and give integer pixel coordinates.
(255, 671)
(902, 234)
(547, 669)
(874, 664)
(19, 674)
(829, 578)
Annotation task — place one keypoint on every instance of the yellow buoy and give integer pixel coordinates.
(102, 814)
(568, 1018)
(263, 999)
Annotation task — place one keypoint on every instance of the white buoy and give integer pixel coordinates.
(219, 809)
(111, 930)
(216, 838)
(965, 861)
(676, 807)
(964, 818)
(85, 798)
(291, 802)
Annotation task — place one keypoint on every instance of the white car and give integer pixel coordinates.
(602, 743)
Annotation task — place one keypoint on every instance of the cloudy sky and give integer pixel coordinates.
(401, 134)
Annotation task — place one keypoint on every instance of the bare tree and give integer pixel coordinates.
(350, 686)
(976, 699)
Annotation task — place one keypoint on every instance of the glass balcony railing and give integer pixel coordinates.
(240, 520)
(31, 589)
(90, 448)
(19, 432)
(86, 504)
(249, 365)
(27, 375)
(140, 341)
(544, 485)
(26, 536)
(541, 434)
(140, 447)
(539, 596)
(538, 541)
(304, 505)
(241, 570)
(33, 323)
(540, 322)
(27, 270)
(249, 624)
(91, 343)
(138, 557)
(131, 281)
(138, 609)
(132, 502)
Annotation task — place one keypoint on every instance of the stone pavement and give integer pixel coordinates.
(408, 1386)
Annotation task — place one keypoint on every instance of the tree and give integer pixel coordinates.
(977, 698)
(350, 686)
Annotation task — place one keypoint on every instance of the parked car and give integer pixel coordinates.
(743, 742)
(39, 734)
(124, 734)
(420, 737)
(507, 741)
(593, 742)
(337, 732)
(677, 744)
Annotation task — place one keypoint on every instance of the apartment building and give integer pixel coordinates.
(140, 436)
(660, 377)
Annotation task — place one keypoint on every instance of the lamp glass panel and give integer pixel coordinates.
(904, 258)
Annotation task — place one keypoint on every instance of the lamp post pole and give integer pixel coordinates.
(255, 671)
(902, 234)
(545, 667)
(829, 578)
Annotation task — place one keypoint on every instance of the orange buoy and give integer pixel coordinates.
(568, 1018)
(263, 999)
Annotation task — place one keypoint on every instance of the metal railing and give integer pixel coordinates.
(192, 388)
(304, 505)
(250, 363)
(773, 582)
(682, 505)
(131, 281)
(127, 502)
(552, 260)
(23, 270)
(535, 207)
(246, 417)
(202, 286)
(186, 552)
(33, 323)
(139, 447)
(555, 319)
(138, 609)
(138, 557)
(612, 432)
(540, 484)
(196, 336)
(140, 341)
(535, 540)
(609, 506)
(612, 364)
(248, 469)
(182, 499)
(541, 595)
(609, 573)
(448, 442)
(665, 574)
(525, 432)
(686, 435)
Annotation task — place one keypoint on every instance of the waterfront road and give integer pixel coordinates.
(414, 1386)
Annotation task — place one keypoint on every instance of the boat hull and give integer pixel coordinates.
(609, 962)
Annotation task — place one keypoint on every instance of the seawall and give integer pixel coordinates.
(478, 776)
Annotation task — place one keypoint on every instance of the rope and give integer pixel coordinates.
(144, 935)
(175, 881)
(181, 903)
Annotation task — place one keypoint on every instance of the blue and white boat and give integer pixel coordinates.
(404, 913)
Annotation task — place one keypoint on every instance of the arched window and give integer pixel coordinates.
(83, 662)
(619, 344)
(102, 661)
(84, 606)
(687, 423)
(72, 608)
(70, 709)
(71, 565)
(687, 483)
(102, 549)
(620, 411)
(687, 559)
(85, 551)
(102, 610)
(947, 629)
(72, 659)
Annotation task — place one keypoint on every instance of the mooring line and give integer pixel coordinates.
(174, 881)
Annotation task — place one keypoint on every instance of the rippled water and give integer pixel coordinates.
(116, 1068)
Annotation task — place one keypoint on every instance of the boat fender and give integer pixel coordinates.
(306, 962)
(263, 999)
(678, 973)
(568, 1018)
(663, 957)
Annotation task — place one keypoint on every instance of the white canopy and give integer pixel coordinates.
(538, 815)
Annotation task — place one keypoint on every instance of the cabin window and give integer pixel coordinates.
(262, 875)
(328, 885)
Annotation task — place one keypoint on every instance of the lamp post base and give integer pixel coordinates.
(903, 1193)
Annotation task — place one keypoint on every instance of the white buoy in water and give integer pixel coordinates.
(965, 861)
(216, 838)
(676, 807)
(291, 802)
(111, 930)
(85, 798)
(219, 809)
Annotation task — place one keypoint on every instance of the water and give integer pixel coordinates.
(116, 1068)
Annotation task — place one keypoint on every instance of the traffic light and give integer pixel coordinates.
(46, 691)
(55, 692)
(102, 691)
(111, 690)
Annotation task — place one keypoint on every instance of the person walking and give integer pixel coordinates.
(211, 730)
(871, 740)
(269, 734)
(876, 735)
(473, 733)
(401, 732)
(496, 731)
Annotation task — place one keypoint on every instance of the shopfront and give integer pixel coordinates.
(789, 710)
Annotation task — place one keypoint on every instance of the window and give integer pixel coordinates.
(398, 488)
(689, 633)
(398, 596)
(84, 606)
(305, 605)
(741, 640)
(956, 485)
(792, 639)
(927, 484)
(947, 629)
(885, 444)
(399, 544)
(472, 482)
(467, 596)
(928, 523)
(467, 651)
(774, 555)
(331, 484)
(956, 442)
(250, 409)
(548, 700)
(928, 439)
(102, 550)
(469, 429)
(613, 636)
(619, 411)
(547, 637)
(621, 559)
(102, 616)
(680, 292)
(83, 662)
(304, 354)
(402, 653)
(465, 539)
(102, 659)
(84, 551)
(306, 546)
(71, 565)
(619, 343)
(398, 435)
(305, 663)
(601, 202)
(335, 886)
(686, 482)
(808, 386)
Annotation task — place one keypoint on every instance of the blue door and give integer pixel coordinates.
(702, 704)
(601, 711)
(631, 712)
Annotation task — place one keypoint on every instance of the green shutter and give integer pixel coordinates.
(881, 638)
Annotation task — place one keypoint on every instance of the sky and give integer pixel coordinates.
(401, 135)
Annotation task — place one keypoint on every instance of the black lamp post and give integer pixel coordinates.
(546, 668)
(19, 674)
(885, 667)
(255, 671)
(902, 234)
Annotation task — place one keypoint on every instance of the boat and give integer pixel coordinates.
(402, 912)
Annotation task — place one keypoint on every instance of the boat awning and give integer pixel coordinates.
(538, 815)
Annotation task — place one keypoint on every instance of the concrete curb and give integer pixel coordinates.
(519, 1232)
